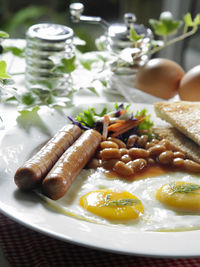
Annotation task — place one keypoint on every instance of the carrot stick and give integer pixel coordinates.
(122, 127)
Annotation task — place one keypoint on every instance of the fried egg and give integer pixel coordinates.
(112, 205)
(180, 195)
(150, 205)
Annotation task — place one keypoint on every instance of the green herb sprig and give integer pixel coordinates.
(121, 202)
(185, 188)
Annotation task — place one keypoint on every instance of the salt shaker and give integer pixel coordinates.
(43, 41)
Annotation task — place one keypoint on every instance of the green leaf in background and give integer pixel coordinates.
(66, 65)
(134, 36)
(87, 63)
(93, 90)
(3, 74)
(4, 34)
(28, 118)
(191, 23)
(15, 51)
(197, 19)
(166, 25)
(28, 98)
(25, 15)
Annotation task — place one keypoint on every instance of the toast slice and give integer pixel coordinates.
(179, 140)
(183, 115)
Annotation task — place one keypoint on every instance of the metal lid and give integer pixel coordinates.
(47, 32)
(121, 31)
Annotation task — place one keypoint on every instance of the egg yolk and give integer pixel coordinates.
(112, 205)
(180, 195)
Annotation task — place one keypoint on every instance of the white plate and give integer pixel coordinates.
(26, 208)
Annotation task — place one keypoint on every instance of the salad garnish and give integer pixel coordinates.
(121, 122)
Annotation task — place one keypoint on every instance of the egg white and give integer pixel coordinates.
(156, 217)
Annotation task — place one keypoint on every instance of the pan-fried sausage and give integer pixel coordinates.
(61, 176)
(36, 168)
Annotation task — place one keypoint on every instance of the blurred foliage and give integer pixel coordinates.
(17, 24)
(17, 17)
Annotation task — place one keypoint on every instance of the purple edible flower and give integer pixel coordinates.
(78, 123)
(120, 108)
(133, 118)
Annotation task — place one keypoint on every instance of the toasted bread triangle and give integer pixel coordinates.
(183, 115)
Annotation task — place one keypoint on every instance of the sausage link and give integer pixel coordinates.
(61, 176)
(31, 173)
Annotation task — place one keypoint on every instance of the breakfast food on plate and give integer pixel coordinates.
(189, 88)
(180, 141)
(112, 205)
(124, 171)
(33, 171)
(183, 115)
(169, 194)
(61, 176)
(159, 77)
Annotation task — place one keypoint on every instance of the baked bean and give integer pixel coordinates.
(109, 164)
(94, 163)
(98, 154)
(138, 164)
(166, 157)
(149, 144)
(178, 162)
(126, 158)
(155, 141)
(119, 142)
(108, 144)
(110, 153)
(150, 161)
(142, 140)
(179, 154)
(132, 140)
(135, 153)
(123, 151)
(156, 150)
(190, 165)
(123, 169)
(168, 145)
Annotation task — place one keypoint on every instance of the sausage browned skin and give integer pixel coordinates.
(36, 168)
(61, 176)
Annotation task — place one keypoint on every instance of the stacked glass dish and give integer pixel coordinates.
(44, 41)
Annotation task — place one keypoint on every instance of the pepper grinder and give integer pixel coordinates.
(116, 35)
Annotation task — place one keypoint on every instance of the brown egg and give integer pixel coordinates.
(190, 85)
(159, 77)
